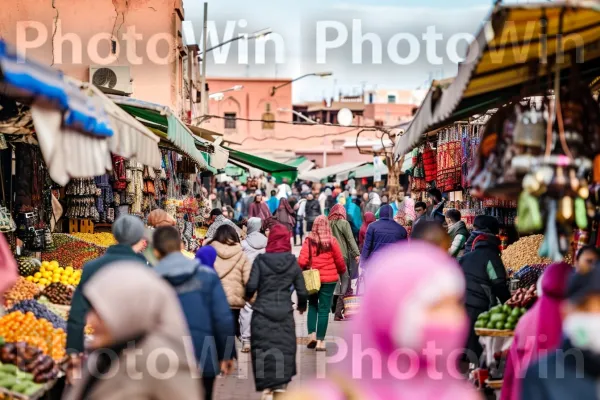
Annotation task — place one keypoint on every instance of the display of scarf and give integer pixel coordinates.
(471, 138)
(430, 163)
(134, 192)
(104, 202)
(81, 202)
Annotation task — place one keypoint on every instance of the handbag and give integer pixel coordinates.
(352, 301)
(312, 277)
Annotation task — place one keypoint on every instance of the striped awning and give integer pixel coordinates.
(503, 62)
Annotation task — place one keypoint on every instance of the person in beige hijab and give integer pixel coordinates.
(160, 217)
(136, 315)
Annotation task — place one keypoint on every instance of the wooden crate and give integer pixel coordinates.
(81, 225)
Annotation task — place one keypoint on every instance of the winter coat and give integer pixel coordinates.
(330, 263)
(273, 329)
(342, 231)
(434, 213)
(233, 268)
(458, 236)
(205, 307)
(383, 232)
(485, 274)
(568, 373)
(313, 210)
(471, 238)
(79, 304)
(254, 245)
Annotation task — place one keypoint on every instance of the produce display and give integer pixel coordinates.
(51, 272)
(15, 381)
(28, 265)
(104, 239)
(22, 290)
(523, 297)
(38, 367)
(500, 317)
(525, 252)
(58, 293)
(19, 327)
(61, 312)
(40, 311)
(71, 251)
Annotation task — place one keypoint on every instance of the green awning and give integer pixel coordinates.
(296, 162)
(367, 171)
(234, 170)
(278, 170)
(171, 127)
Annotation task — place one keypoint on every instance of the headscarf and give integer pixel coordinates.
(374, 203)
(255, 239)
(279, 240)
(207, 256)
(542, 320)
(369, 218)
(341, 199)
(285, 212)
(321, 234)
(401, 323)
(152, 306)
(160, 217)
(221, 220)
(259, 210)
(337, 212)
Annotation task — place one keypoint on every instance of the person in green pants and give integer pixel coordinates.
(322, 252)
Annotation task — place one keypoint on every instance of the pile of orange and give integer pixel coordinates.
(19, 327)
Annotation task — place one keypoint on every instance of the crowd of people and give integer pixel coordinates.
(427, 280)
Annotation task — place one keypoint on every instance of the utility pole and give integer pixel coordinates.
(204, 100)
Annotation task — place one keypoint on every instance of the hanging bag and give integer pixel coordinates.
(352, 300)
(312, 277)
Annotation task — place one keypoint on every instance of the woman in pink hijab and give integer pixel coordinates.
(539, 331)
(413, 305)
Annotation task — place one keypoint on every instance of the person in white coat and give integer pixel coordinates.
(254, 244)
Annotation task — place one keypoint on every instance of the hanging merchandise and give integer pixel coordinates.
(449, 162)
(471, 138)
(135, 184)
(81, 199)
(418, 183)
(105, 199)
(430, 163)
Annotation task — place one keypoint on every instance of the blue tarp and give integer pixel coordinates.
(37, 81)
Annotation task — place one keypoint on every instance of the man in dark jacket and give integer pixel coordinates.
(486, 282)
(204, 304)
(573, 370)
(383, 232)
(313, 210)
(129, 232)
(483, 225)
(436, 207)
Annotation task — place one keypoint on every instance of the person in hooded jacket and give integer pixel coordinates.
(254, 244)
(204, 305)
(482, 225)
(312, 211)
(382, 232)
(233, 268)
(487, 282)
(457, 229)
(273, 327)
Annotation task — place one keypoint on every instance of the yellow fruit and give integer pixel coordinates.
(37, 275)
(68, 273)
(69, 268)
(42, 269)
(30, 278)
(54, 263)
(36, 280)
(43, 281)
(70, 281)
(45, 263)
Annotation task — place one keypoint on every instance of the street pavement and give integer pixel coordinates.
(240, 385)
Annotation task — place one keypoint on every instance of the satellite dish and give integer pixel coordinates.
(345, 117)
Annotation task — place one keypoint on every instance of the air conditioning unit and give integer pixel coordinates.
(111, 77)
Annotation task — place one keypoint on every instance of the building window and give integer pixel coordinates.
(370, 98)
(230, 120)
(378, 122)
(391, 99)
(268, 118)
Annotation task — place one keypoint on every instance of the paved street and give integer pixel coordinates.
(241, 385)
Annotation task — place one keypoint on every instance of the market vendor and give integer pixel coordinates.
(129, 233)
(585, 258)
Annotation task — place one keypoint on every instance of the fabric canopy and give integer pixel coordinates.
(302, 163)
(162, 119)
(277, 170)
(335, 171)
(503, 62)
(368, 171)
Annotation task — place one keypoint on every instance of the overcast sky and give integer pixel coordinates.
(303, 29)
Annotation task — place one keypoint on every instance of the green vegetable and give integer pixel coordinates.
(480, 324)
(509, 326)
(506, 308)
(500, 325)
(32, 389)
(523, 310)
(498, 317)
(20, 387)
(516, 312)
(10, 368)
(496, 309)
(491, 325)
(484, 316)
(512, 319)
(8, 383)
(24, 376)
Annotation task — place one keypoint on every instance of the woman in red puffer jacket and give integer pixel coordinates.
(321, 251)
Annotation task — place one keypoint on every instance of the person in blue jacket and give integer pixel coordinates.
(382, 232)
(204, 304)
(573, 370)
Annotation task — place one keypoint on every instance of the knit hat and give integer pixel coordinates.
(128, 229)
(487, 223)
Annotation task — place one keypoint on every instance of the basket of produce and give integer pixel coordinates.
(524, 252)
(500, 321)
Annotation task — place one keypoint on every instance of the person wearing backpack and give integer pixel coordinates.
(204, 305)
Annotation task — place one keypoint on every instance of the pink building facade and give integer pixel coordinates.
(141, 39)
